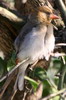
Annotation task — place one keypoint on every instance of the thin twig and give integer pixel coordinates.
(60, 44)
(62, 9)
(7, 82)
(63, 59)
(62, 75)
(10, 76)
(54, 94)
(57, 54)
(13, 94)
(3, 78)
(64, 94)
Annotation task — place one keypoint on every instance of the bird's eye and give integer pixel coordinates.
(48, 13)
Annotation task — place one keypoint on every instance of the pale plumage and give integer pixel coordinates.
(35, 42)
(49, 42)
(33, 48)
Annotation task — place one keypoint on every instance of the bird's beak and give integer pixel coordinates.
(53, 16)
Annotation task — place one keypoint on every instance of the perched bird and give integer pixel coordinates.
(35, 41)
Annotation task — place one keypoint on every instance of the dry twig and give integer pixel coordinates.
(9, 77)
(12, 17)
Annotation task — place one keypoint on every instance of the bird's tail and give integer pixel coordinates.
(20, 77)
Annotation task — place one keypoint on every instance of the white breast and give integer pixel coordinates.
(49, 42)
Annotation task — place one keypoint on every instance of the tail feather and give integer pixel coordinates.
(20, 77)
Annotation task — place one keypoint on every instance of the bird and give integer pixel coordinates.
(35, 41)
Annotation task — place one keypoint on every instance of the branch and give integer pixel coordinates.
(7, 82)
(10, 76)
(7, 75)
(54, 94)
(62, 9)
(62, 75)
(12, 17)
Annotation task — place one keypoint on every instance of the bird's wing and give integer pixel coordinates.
(25, 30)
(30, 47)
(33, 44)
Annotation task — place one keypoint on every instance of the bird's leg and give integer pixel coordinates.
(32, 66)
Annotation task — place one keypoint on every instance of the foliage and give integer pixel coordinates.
(51, 78)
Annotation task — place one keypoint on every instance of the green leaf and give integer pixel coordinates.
(40, 73)
(32, 82)
(11, 62)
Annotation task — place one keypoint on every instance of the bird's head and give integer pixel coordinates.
(44, 14)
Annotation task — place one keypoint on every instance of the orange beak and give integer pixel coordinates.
(53, 16)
